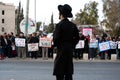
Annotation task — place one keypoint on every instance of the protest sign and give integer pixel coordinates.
(33, 47)
(20, 42)
(113, 45)
(80, 44)
(45, 42)
(87, 31)
(93, 43)
(104, 46)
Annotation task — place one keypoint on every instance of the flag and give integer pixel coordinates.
(41, 28)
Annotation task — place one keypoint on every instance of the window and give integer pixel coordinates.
(3, 21)
(3, 12)
(3, 29)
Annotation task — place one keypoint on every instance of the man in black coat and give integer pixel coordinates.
(65, 37)
(34, 39)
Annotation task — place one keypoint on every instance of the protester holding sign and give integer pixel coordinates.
(92, 47)
(33, 47)
(103, 46)
(20, 43)
(113, 47)
(45, 43)
(80, 48)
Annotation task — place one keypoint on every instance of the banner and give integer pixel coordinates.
(20, 42)
(113, 45)
(93, 43)
(104, 46)
(45, 42)
(80, 44)
(118, 44)
(33, 47)
(87, 31)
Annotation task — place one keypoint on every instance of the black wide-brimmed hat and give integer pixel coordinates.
(65, 10)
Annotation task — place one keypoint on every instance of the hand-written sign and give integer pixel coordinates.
(113, 45)
(33, 47)
(93, 43)
(87, 31)
(104, 46)
(45, 42)
(20, 42)
(80, 44)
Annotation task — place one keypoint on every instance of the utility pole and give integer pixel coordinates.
(35, 14)
(27, 12)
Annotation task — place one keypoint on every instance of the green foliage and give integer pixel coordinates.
(111, 9)
(50, 28)
(38, 25)
(19, 17)
(89, 15)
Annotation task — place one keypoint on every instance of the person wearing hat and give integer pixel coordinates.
(65, 37)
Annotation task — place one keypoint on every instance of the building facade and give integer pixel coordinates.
(7, 18)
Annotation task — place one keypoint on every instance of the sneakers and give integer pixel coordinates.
(92, 59)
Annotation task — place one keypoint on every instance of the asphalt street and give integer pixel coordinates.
(42, 70)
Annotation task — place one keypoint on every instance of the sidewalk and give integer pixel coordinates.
(52, 60)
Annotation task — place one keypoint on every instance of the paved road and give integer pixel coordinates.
(42, 70)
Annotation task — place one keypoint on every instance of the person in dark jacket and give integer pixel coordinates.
(34, 39)
(65, 38)
(22, 49)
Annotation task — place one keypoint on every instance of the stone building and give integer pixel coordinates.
(7, 18)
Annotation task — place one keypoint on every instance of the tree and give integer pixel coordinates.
(89, 15)
(50, 28)
(111, 10)
(38, 26)
(19, 17)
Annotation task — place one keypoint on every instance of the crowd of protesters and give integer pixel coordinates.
(8, 49)
(94, 52)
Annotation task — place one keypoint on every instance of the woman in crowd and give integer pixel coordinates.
(92, 47)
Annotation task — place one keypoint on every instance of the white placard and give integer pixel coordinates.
(93, 43)
(80, 44)
(104, 46)
(33, 47)
(20, 42)
(87, 31)
(113, 45)
(45, 42)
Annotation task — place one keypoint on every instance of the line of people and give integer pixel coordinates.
(94, 52)
(9, 49)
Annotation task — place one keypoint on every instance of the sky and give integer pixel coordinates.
(45, 8)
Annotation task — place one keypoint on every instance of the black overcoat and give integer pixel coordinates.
(65, 37)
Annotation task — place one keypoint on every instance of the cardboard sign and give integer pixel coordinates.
(87, 31)
(80, 44)
(104, 46)
(20, 42)
(93, 43)
(45, 42)
(113, 45)
(33, 47)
